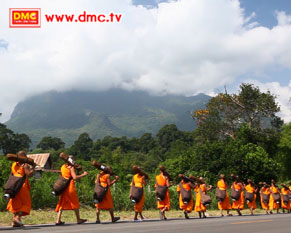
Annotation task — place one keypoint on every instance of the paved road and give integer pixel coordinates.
(280, 223)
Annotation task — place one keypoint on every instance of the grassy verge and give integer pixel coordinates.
(49, 216)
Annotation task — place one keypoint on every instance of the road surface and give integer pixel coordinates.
(280, 223)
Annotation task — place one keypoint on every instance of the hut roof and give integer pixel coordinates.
(42, 160)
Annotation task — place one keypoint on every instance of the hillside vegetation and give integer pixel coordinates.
(110, 113)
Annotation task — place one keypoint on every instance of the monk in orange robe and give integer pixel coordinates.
(285, 191)
(106, 203)
(68, 200)
(239, 204)
(266, 191)
(251, 188)
(139, 181)
(186, 207)
(201, 187)
(20, 205)
(225, 204)
(163, 205)
(272, 204)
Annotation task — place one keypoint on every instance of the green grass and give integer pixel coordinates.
(49, 215)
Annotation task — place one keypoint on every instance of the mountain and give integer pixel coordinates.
(114, 112)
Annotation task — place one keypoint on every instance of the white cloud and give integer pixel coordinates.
(283, 19)
(182, 47)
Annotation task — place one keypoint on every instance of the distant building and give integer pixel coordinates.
(43, 161)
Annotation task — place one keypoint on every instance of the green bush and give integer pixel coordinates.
(41, 191)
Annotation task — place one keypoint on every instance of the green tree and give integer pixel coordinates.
(213, 158)
(226, 113)
(49, 142)
(21, 142)
(284, 154)
(147, 143)
(167, 135)
(82, 146)
(6, 139)
(11, 142)
(114, 142)
(267, 138)
(258, 164)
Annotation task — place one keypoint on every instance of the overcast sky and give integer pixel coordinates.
(180, 47)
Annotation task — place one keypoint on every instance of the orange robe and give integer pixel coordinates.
(272, 203)
(225, 205)
(198, 205)
(186, 207)
(68, 200)
(107, 202)
(285, 192)
(265, 191)
(290, 200)
(138, 181)
(240, 203)
(166, 202)
(251, 189)
(22, 201)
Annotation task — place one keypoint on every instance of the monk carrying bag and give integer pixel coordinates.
(60, 185)
(285, 199)
(161, 191)
(277, 197)
(249, 196)
(220, 195)
(13, 186)
(265, 198)
(186, 195)
(205, 199)
(99, 191)
(136, 193)
(235, 194)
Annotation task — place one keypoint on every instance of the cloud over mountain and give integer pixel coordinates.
(181, 47)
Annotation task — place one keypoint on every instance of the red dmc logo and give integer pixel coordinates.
(24, 17)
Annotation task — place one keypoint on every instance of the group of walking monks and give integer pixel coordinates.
(271, 197)
(20, 205)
